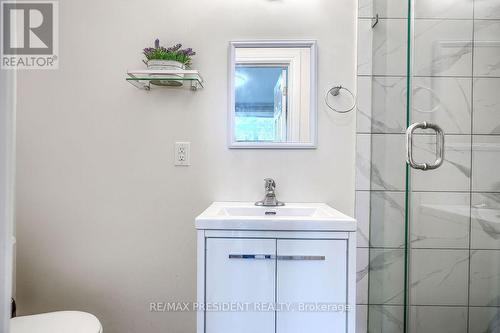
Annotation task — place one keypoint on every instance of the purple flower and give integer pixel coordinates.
(187, 52)
(174, 48)
(157, 43)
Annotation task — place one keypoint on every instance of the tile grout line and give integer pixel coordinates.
(430, 191)
(431, 19)
(369, 224)
(428, 248)
(471, 164)
(430, 134)
(401, 76)
(435, 305)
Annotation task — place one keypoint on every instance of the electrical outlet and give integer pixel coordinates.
(181, 153)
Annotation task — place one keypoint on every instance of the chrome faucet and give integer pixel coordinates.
(270, 198)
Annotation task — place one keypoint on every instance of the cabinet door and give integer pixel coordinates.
(239, 272)
(312, 272)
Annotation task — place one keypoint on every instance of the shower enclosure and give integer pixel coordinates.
(429, 232)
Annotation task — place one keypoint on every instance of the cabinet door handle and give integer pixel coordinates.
(252, 256)
(301, 257)
(272, 256)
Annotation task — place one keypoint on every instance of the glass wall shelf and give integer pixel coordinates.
(146, 78)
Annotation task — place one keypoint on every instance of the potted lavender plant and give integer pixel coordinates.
(172, 58)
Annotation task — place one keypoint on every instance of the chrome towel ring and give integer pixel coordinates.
(335, 91)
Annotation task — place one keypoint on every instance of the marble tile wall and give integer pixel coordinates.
(454, 275)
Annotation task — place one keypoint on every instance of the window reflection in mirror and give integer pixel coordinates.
(272, 89)
(261, 102)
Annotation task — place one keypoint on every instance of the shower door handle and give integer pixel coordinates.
(439, 146)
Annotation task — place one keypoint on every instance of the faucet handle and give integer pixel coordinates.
(270, 197)
(270, 184)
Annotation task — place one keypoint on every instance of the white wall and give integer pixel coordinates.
(104, 219)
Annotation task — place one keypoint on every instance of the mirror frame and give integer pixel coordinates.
(310, 44)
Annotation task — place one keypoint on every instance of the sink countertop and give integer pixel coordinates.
(292, 216)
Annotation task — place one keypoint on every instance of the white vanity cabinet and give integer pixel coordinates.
(259, 275)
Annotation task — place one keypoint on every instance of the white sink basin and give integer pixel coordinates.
(292, 216)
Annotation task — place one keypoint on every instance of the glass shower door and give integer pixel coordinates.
(429, 235)
(381, 167)
(453, 211)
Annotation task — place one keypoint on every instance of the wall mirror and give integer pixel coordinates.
(272, 94)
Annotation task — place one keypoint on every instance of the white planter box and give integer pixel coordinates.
(167, 65)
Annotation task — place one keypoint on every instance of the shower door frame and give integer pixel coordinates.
(7, 181)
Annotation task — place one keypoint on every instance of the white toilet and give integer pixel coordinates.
(56, 322)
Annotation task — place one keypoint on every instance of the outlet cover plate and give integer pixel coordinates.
(182, 153)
